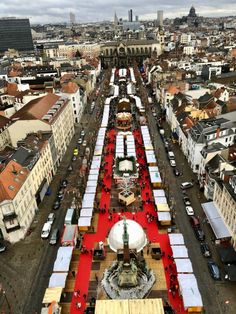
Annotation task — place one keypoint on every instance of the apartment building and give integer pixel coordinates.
(205, 132)
(17, 202)
(225, 200)
(49, 113)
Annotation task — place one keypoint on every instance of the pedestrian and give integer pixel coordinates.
(84, 296)
(78, 293)
(75, 294)
(78, 305)
(96, 278)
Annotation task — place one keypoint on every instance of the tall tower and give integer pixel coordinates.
(130, 15)
(115, 20)
(72, 18)
(160, 18)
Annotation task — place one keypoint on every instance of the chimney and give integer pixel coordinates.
(14, 170)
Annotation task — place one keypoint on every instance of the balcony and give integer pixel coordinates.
(10, 216)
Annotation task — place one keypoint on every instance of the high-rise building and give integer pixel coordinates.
(136, 18)
(72, 18)
(160, 18)
(130, 15)
(116, 22)
(15, 34)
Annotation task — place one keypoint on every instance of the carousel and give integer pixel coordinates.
(123, 120)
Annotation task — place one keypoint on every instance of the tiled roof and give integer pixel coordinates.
(11, 180)
(37, 108)
(70, 88)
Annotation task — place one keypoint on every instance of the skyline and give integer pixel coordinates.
(99, 10)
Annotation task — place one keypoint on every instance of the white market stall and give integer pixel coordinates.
(84, 223)
(192, 299)
(183, 265)
(179, 251)
(176, 239)
(57, 280)
(62, 262)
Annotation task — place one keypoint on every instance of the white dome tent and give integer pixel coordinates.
(137, 236)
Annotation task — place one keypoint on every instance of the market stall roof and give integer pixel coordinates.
(153, 169)
(84, 221)
(179, 251)
(164, 216)
(160, 200)
(158, 192)
(88, 203)
(86, 212)
(183, 265)
(162, 208)
(90, 189)
(91, 183)
(52, 294)
(176, 239)
(57, 280)
(217, 223)
(62, 262)
(189, 291)
(126, 165)
(137, 306)
(93, 177)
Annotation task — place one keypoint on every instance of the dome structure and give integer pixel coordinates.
(137, 237)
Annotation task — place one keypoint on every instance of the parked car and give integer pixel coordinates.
(187, 201)
(2, 247)
(51, 218)
(172, 163)
(46, 230)
(200, 235)
(176, 172)
(54, 237)
(56, 204)
(80, 140)
(186, 185)
(214, 270)
(205, 249)
(82, 133)
(194, 221)
(76, 151)
(84, 143)
(189, 210)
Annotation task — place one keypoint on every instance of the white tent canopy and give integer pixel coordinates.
(57, 280)
(189, 291)
(86, 212)
(183, 265)
(164, 216)
(84, 221)
(62, 262)
(176, 239)
(179, 251)
(158, 192)
(217, 223)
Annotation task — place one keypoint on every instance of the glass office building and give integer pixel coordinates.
(15, 34)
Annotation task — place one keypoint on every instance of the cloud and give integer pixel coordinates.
(54, 11)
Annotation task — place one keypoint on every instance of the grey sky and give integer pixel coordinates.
(49, 11)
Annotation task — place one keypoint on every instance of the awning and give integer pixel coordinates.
(176, 239)
(52, 294)
(57, 280)
(179, 251)
(217, 223)
(183, 265)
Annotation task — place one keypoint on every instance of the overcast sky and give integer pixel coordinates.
(50, 11)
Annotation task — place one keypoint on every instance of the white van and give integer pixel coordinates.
(70, 215)
(171, 155)
(46, 230)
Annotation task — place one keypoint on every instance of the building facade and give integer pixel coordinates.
(124, 53)
(15, 34)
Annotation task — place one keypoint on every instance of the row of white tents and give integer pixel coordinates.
(187, 281)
